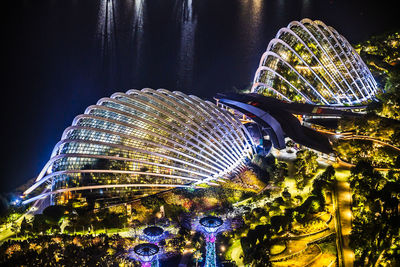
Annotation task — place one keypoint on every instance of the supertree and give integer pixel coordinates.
(153, 234)
(210, 226)
(146, 253)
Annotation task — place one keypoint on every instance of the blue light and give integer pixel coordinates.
(15, 201)
(211, 257)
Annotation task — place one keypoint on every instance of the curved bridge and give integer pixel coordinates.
(278, 120)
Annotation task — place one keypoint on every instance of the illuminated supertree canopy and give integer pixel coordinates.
(146, 253)
(211, 225)
(311, 62)
(153, 233)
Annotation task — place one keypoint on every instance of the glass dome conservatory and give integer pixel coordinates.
(142, 142)
(310, 62)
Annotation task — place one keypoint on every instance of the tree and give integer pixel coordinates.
(280, 171)
(39, 223)
(364, 178)
(174, 212)
(256, 246)
(15, 228)
(281, 222)
(298, 198)
(108, 219)
(328, 174)
(25, 226)
(290, 143)
(397, 162)
(286, 194)
(305, 165)
(54, 214)
(152, 202)
(375, 107)
(376, 215)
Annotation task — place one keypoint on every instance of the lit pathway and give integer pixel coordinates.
(362, 137)
(37, 207)
(344, 205)
(7, 233)
(350, 136)
(347, 165)
(237, 253)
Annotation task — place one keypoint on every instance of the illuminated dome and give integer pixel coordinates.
(153, 233)
(146, 251)
(211, 223)
(139, 143)
(310, 62)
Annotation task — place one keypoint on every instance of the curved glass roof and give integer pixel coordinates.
(311, 62)
(143, 142)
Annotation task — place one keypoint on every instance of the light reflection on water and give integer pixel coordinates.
(250, 32)
(305, 8)
(178, 26)
(106, 34)
(187, 22)
(250, 27)
(137, 33)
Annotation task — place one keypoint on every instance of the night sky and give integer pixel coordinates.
(60, 56)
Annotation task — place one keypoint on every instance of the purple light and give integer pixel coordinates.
(154, 234)
(210, 238)
(146, 252)
(210, 226)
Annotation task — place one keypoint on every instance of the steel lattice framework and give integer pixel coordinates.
(143, 142)
(310, 62)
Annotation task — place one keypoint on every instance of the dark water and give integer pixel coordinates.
(61, 56)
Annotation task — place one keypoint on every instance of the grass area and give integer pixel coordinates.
(328, 247)
(328, 255)
(302, 259)
(278, 248)
(110, 231)
(312, 226)
(290, 183)
(6, 234)
(324, 261)
(236, 253)
(293, 246)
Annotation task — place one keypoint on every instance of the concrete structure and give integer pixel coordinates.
(277, 119)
